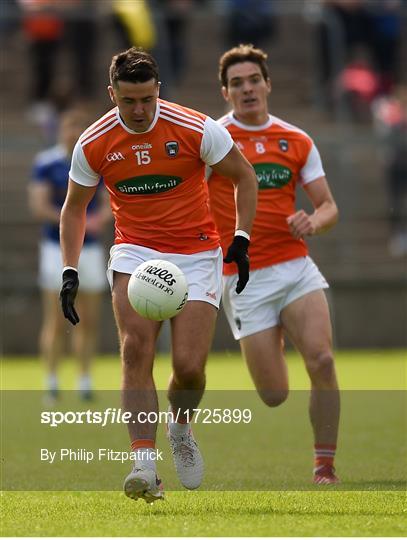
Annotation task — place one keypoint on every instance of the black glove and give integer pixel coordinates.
(237, 252)
(70, 284)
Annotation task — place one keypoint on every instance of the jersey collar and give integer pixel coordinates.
(249, 127)
(153, 123)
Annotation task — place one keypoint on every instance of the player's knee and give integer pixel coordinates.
(189, 375)
(273, 398)
(136, 351)
(321, 367)
(54, 327)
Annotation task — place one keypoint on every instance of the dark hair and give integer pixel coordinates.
(133, 65)
(242, 53)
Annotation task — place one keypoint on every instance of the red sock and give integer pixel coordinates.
(324, 455)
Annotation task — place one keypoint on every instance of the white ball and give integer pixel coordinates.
(157, 290)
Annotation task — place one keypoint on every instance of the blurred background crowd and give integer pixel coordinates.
(338, 71)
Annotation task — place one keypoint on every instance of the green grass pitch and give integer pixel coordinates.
(370, 502)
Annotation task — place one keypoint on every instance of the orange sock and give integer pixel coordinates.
(145, 454)
(324, 455)
(142, 443)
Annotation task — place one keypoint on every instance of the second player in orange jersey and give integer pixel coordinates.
(285, 291)
(151, 156)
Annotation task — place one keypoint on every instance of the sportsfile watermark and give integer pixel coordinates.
(86, 446)
(101, 454)
(112, 415)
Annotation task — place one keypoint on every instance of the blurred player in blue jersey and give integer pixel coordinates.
(47, 191)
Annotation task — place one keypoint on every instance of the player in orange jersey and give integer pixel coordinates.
(285, 292)
(152, 156)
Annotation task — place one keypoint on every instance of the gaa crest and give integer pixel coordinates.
(171, 148)
(283, 144)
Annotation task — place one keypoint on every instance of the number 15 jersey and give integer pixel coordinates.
(156, 179)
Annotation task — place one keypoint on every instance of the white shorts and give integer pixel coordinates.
(202, 270)
(91, 268)
(268, 292)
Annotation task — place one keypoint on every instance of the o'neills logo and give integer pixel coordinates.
(272, 175)
(162, 273)
(147, 184)
(155, 283)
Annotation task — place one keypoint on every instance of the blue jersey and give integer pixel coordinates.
(51, 167)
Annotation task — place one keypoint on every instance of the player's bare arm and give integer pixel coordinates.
(72, 233)
(236, 167)
(96, 222)
(325, 213)
(39, 197)
(73, 222)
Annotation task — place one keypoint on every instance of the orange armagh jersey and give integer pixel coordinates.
(156, 179)
(282, 156)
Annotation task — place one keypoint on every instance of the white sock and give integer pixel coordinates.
(146, 458)
(85, 383)
(177, 429)
(52, 381)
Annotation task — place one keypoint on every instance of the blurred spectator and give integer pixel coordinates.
(133, 23)
(9, 18)
(43, 28)
(390, 115)
(10, 37)
(175, 14)
(354, 18)
(341, 25)
(347, 26)
(50, 26)
(141, 24)
(356, 88)
(385, 28)
(249, 21)
(158, 26)
(47, 192)
(80, 39)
